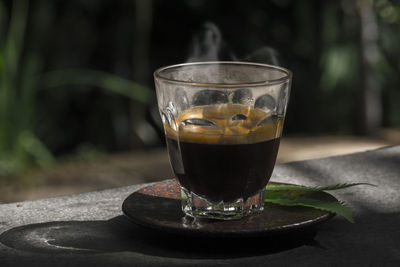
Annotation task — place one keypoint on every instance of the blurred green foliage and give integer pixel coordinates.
(22, 77)
(78, 73)
(19, 145)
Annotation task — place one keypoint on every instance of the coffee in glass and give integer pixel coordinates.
(222, 133)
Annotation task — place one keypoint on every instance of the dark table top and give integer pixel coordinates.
(89, 229)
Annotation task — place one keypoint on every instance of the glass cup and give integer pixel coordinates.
(222, 123)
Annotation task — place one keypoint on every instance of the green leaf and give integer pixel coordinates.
(335, 206)
(299, 195)
(313, 188)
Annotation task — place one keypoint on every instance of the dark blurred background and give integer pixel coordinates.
(76, 76)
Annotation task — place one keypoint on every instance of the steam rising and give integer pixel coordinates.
(208, 44)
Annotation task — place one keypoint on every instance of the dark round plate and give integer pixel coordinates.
(158, 206)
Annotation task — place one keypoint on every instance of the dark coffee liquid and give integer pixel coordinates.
(223, 152)
(223, 172)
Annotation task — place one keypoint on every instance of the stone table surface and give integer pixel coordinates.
(89, 229)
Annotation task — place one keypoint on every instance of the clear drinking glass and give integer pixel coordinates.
(222, 123)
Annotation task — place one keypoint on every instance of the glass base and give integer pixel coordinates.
(199, 207)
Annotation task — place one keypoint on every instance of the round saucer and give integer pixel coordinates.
(158, 206)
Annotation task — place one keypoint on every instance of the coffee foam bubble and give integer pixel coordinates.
(225, 124)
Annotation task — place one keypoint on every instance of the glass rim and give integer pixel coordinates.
(286, 78)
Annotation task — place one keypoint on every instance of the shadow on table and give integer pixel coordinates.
(120, 235)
